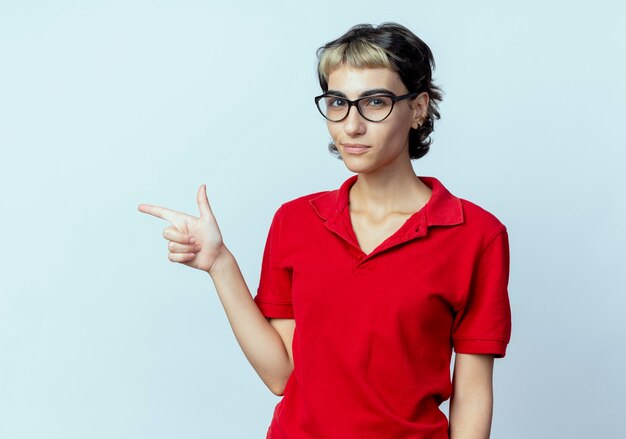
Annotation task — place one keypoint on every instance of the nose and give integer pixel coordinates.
(354, 123)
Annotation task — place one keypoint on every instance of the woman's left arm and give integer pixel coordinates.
(471, 403)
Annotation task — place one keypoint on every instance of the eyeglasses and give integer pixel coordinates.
(373, 108)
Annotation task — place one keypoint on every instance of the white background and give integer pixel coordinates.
(108, 104)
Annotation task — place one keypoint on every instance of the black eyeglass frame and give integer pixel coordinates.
(394, 99)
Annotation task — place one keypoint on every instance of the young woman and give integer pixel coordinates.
(366, 290)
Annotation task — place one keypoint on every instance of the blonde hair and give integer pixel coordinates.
(357, 54)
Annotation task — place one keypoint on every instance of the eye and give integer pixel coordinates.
(378, 101)
(335, 102)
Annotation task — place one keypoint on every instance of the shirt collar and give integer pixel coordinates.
(442, 209)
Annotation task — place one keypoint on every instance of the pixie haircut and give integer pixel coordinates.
(393, 46)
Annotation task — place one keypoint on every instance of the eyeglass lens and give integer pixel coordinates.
(374, 108)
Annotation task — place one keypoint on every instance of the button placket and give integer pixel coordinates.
(357, 262)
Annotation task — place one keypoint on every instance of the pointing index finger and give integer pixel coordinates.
(158, 211)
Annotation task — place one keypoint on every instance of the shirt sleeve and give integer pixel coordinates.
(483, 325)
(274, 291)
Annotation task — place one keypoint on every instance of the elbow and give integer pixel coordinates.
(277, 378)
(277, 386)
(277, 390)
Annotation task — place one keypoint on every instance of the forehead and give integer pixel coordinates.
(354, 81)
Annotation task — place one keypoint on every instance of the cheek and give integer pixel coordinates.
(396, 133)
(332, 129)
(404, 126)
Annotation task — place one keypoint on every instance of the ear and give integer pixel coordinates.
(420, 109)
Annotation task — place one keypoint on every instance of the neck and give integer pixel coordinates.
(382, 193)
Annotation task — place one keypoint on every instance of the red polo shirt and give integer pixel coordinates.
(374, 332)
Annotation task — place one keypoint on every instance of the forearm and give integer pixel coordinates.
(471, 415)
(471, 403)
(259, 341)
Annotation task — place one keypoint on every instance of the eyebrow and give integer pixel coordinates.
(374, 91)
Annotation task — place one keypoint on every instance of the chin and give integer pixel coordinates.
(357, 168)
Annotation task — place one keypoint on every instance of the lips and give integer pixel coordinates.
(355, 148)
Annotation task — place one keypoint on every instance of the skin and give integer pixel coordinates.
(386, 193)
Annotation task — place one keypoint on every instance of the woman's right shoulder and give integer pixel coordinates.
(302, 202)
(301, 209)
